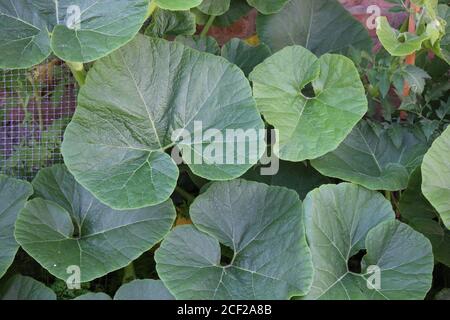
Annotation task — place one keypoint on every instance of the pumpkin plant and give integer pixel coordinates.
(326, 189)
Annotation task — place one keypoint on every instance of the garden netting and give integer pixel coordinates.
(36, 105)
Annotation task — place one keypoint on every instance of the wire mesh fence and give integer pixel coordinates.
(36, 105)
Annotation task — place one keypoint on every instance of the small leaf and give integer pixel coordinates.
(214, 7)
(268, 7)
(341, 220)
(436, 176)
(248, 219)
(171, 23)
(93, 296)
(398, 44)
(177, 4)
(20, 287)
(202, 44)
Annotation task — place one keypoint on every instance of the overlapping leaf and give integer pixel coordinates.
(420, 214)
(321, 26)
(13, 195)
(436, 176)
(75, 30)
(66, 227)
(143, 290)
(341, 220)
(243, 55)
(171, 23)
(376, 158)
(262, 225)
(309, 124)
(20, 287)
(177, 4)
(144, 99)
(268, 7)
(214, 7)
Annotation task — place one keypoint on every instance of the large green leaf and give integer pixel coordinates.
(143, 290)
(66, 226)
(341, 220)
(396, 43)
(436, 176)
(132, 108)
(296, 176)
(262, 225)
(375, 157)
(13, 195)
(171, 23)
(177, 4)
(268, 7)
(243, 55)
(420, 214)
(321, 26)
(214, 7)
(309, 124)
(20, 287)
(76, 30)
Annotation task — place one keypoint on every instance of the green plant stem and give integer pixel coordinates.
(207, 26)
(151, 9)
(388, 195)
(185, 195)
(129, 274)
(78, 71)
(37, 99)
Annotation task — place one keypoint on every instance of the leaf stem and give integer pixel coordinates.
(207, 26)
(151, 9)
(78, 71)
(185, 195)
(37, 99)
(129, 274)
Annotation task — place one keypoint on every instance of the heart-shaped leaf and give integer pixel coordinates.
(171, 23)
(66, 227)
(398, 44)
(214, 7)
(245, 56)
(249, 219)
(436, 176)
(420, 214)
(341, 220)
(148, 97)
(376, 158)
(13, 195)
(143, 290)
(314, 122)
(321, 26)
(268, 7)
(177, 4)
(75, 30)
(20, 287)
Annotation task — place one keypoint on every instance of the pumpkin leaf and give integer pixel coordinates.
(143, 290)
(20, 287)
(66, 226)
(75, 30)
(375, 157)
(247, 218)
(151, 94)
(171, 23)
(245, 56)
(203, 44)
(13, 195)
(420, 214)
(315, 122)
(214, 7)
(341, 220)
(322, 26)
(175, 5)
(436, 176)
(268, 7)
